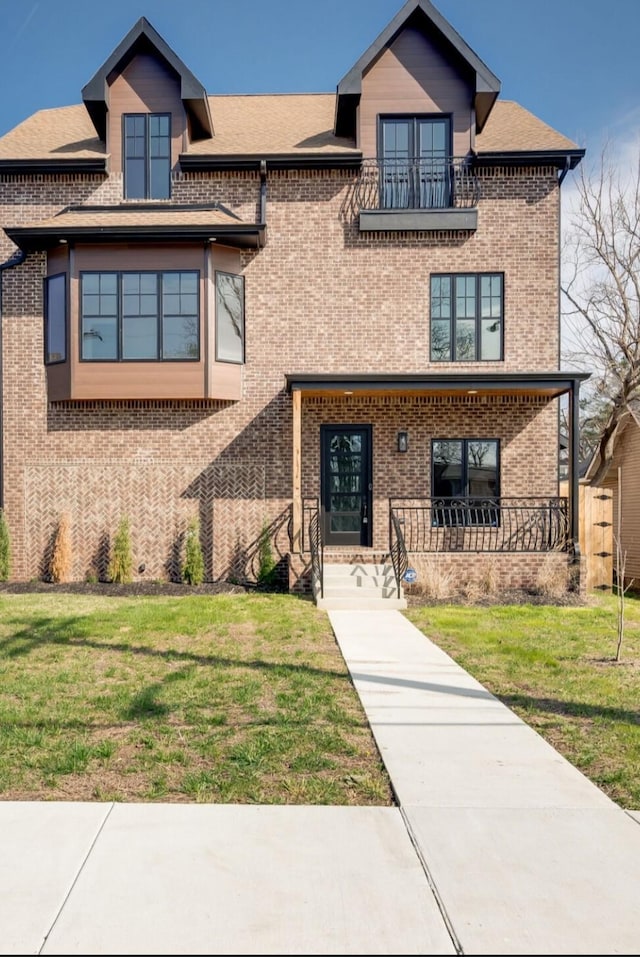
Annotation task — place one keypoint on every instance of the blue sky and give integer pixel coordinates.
(574, 63)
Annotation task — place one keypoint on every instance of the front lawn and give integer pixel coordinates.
(226, 699)
(555, 667)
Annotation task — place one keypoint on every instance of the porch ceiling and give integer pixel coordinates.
(550, 384)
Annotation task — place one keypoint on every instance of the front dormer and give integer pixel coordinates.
(148, 108)
(414, 102)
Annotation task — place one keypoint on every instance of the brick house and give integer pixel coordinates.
(335, 316)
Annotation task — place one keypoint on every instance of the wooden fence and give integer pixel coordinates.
(596, 534)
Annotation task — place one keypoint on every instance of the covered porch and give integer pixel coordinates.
(371, 480)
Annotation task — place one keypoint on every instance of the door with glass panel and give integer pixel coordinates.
(346, 484)
(415, 164)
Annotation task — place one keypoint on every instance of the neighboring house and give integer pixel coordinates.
(622, 478)
(335, 315)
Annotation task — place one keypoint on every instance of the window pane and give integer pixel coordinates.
(171, 282)
(482, 468)
(140, 337)
(447, 468)
(491, 296)
(180, 337)
(490, 341)
(440, 297)
(465, 297)
(100, 338)
(440, 340)
(465, 339)
(229, 317)
(160, 179)
(134, 179)
(56, 319)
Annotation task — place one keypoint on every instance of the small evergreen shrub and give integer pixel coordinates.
(266, 561)
(5, 549)
(61, 558)
(121, 563)
(193, 566)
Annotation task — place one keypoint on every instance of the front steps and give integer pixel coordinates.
(359, 587)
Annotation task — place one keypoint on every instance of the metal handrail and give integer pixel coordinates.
(483, 524)
(311, 507)
(397, 548)
(447, 182)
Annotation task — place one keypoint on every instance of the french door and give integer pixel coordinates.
(415, 154)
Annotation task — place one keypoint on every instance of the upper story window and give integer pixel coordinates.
(147, 155)
(140, 315)
(466, 317)
(415, 159)
(55, 319)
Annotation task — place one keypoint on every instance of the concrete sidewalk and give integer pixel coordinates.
(498, 845)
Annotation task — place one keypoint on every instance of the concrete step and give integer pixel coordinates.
(360, 603)
(359, 586)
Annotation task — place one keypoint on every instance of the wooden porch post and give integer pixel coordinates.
(574, 464)
(296, 398)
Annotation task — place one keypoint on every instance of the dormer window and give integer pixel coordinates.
(147, 155)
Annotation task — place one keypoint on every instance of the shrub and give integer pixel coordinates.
(5, 549)
(61, 559)
(433, 581)
(193, 567)
(552, 579)
(121, 564)
(266, 561)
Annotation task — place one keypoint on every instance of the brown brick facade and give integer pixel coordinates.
(320, 297)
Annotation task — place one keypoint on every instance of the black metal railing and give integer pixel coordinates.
(482, 524)
(397, 549)
(312, 542)
(421, 183)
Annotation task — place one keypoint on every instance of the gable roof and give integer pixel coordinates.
(633, 419)
(143, 38)
(424, 15)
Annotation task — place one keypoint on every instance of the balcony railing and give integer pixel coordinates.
(482, 524)
(446, 183)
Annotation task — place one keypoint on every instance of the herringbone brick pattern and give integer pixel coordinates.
(159, 499)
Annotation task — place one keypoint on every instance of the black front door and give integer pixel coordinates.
(346, 484)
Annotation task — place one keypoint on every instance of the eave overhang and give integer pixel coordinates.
(243, 237)
(165, 223)
(549, 384)
(194, 162)
(143, 38)
(560, 159)
(419, 13)
(53, 166)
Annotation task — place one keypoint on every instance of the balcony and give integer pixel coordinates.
(416, 194)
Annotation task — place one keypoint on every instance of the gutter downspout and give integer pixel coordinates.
(263, 193)
(567, 167)
(16, 260)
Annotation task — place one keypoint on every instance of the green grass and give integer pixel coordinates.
(555, 667)
(230, 698)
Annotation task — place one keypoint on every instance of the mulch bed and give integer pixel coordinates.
(130, 589)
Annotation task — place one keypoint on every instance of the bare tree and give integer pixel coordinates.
(601, 285)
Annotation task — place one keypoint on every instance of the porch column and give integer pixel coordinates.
(296, 458)
(574, 463)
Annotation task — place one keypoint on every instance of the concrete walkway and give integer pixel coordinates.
(498, 845)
